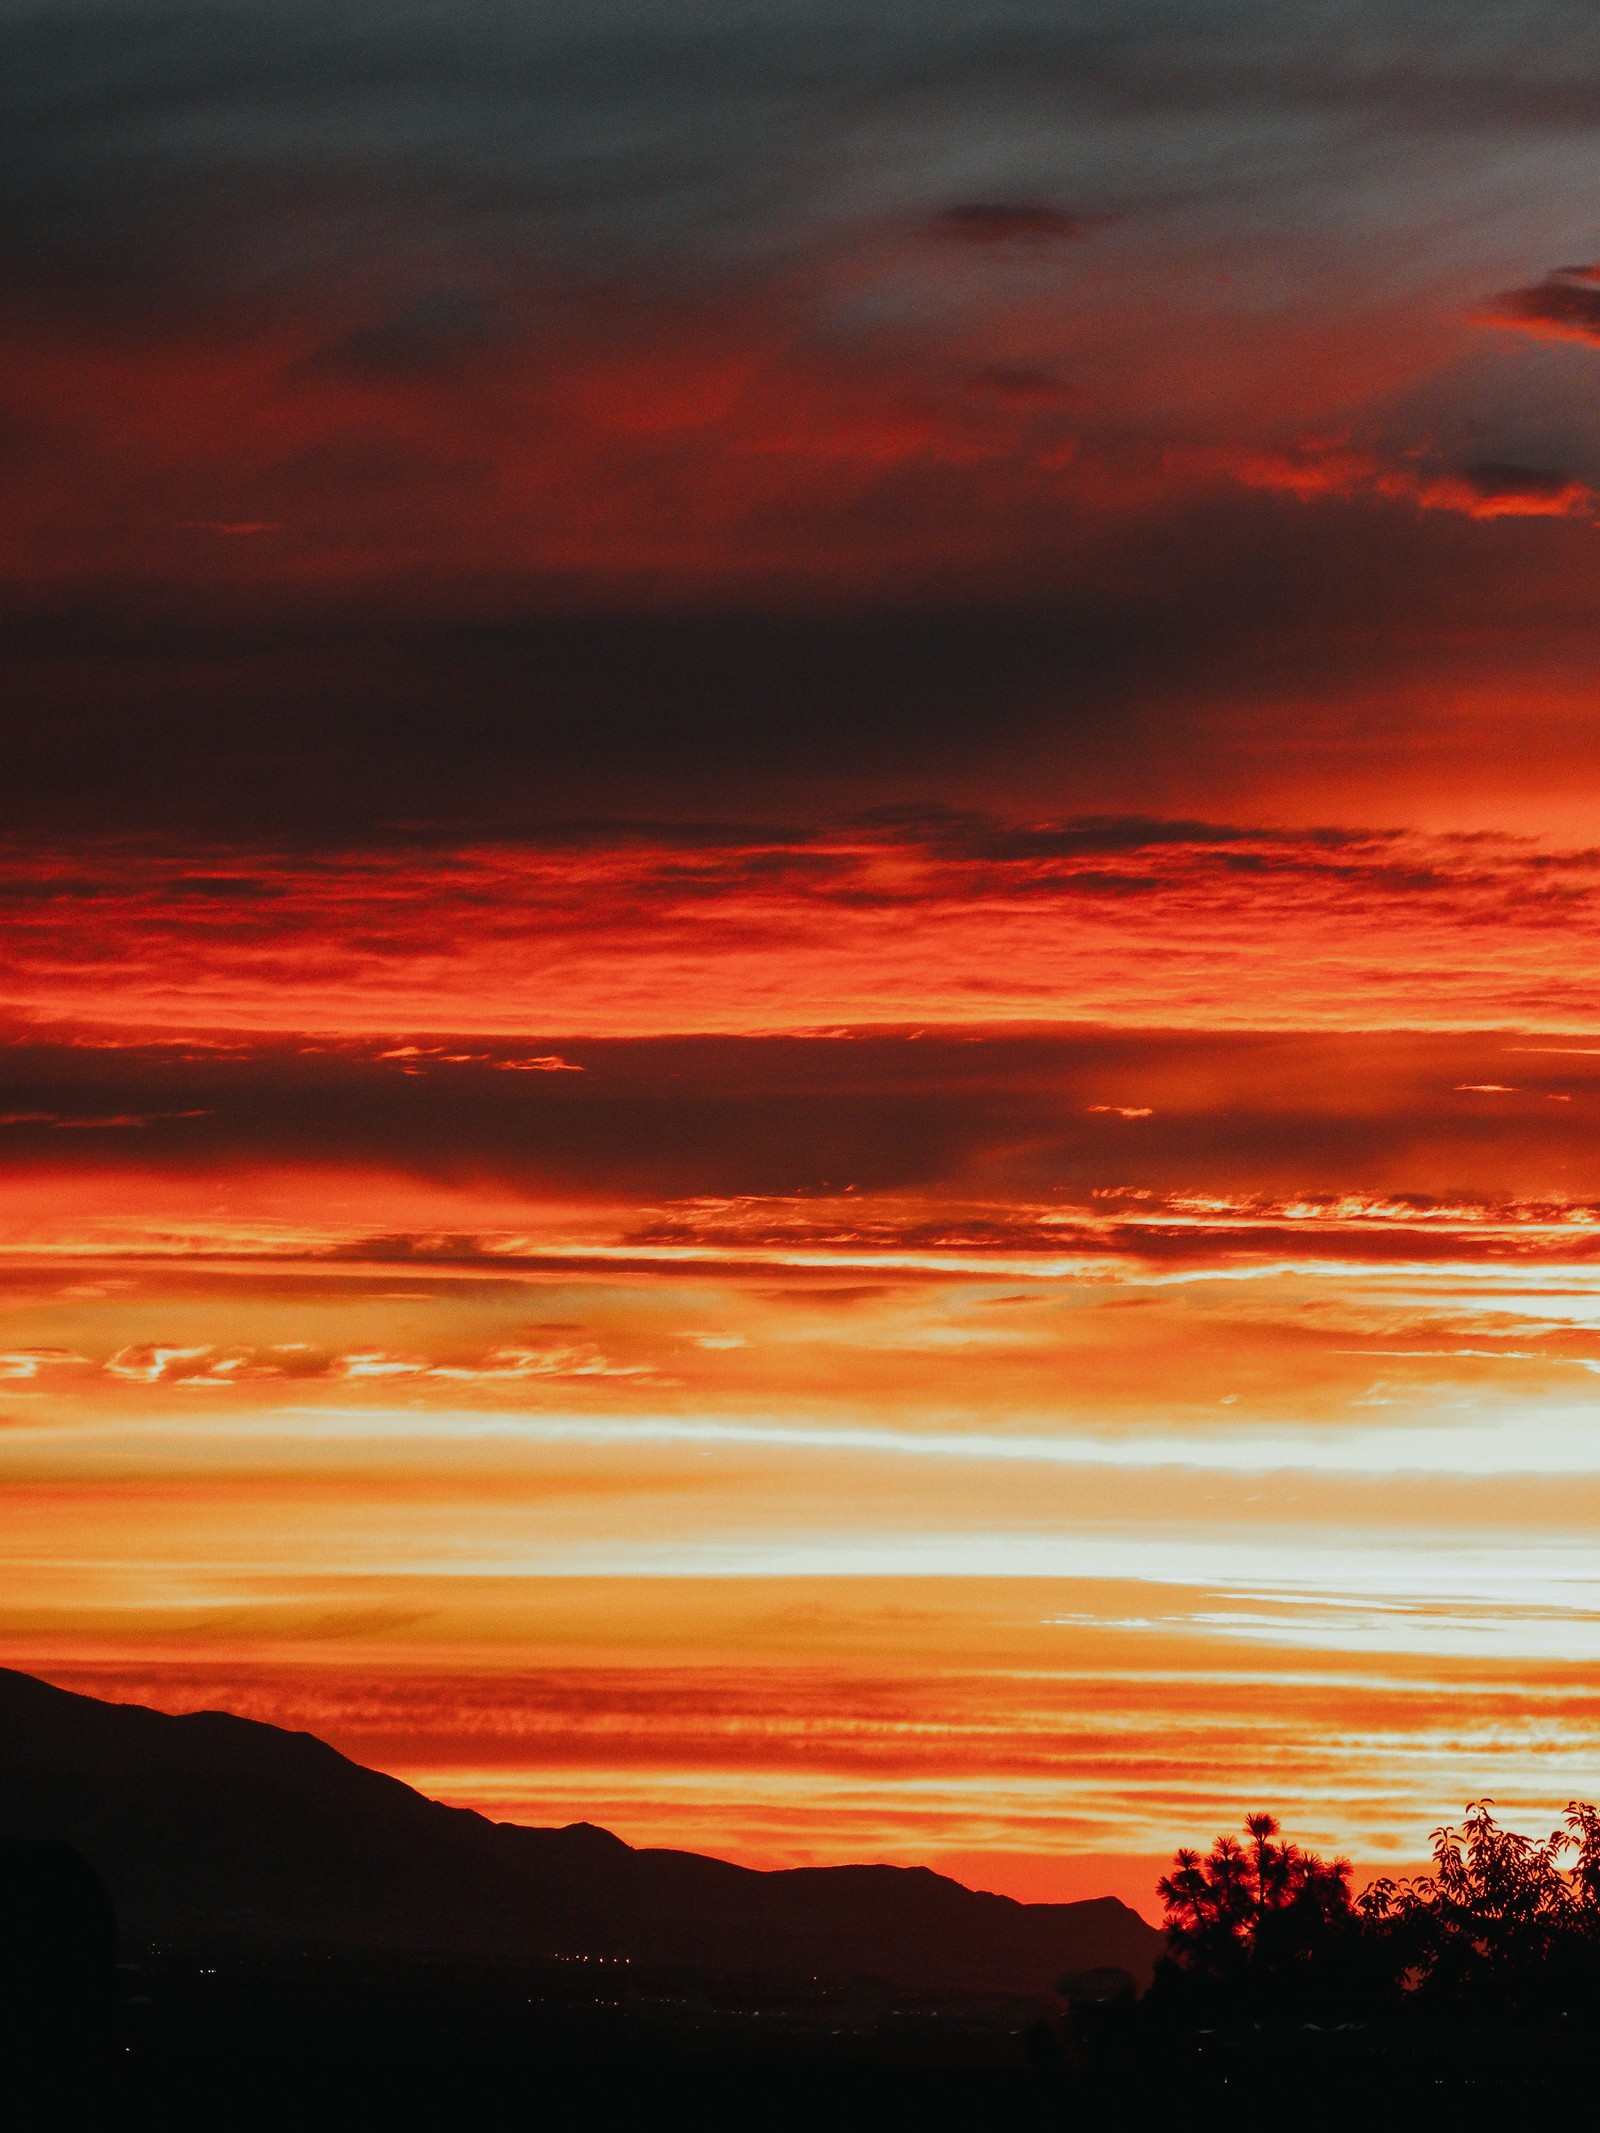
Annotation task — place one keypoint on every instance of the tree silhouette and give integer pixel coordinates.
(1504, 1923)
(1259, 1925)
(1236, 1903)
(1506, 1927)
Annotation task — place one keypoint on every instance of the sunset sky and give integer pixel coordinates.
(800, 907)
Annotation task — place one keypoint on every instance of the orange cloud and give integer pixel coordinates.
(23, 1363)
(761, 927)
(783, 1726)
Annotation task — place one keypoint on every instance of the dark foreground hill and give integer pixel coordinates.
(213, 1829)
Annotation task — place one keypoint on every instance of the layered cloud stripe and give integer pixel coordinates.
(799, 1023)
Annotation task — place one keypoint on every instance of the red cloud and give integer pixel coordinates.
(1485, 490)
(1565, 306)
(943, 919)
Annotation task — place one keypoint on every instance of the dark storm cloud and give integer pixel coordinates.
(636, 1121)
(964, 834)
(1035, 223)
(141, 135)
(148, 138)
(1092, 1119)
(118, 717)
(1497, 478)
(297, 631)
(1016, 385)
(431, 334)
(349, 725)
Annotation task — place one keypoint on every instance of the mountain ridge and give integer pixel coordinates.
(209, 1826)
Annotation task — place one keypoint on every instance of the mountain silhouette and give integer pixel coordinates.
(212, 1828)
